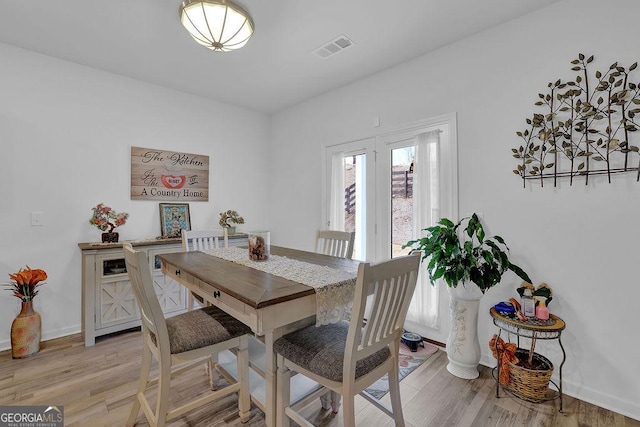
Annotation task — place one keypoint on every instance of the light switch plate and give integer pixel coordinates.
(36, 219)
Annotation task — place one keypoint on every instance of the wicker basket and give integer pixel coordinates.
(530, 384)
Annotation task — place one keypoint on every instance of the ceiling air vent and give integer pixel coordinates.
(333, 47)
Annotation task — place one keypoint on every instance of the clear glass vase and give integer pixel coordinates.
(259, 243)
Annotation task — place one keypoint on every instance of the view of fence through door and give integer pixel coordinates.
(354, 210)
(350, 169)
(401, 199)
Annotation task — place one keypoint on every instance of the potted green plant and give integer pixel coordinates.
(230, 216)
(470, 263)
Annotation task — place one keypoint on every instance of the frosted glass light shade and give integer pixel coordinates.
(219, 25)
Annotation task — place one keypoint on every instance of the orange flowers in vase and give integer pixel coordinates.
(26, 328)
(25, 283)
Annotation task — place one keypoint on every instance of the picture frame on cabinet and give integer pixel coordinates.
(174, 217)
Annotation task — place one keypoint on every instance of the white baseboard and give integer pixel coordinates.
(580, 391)
(46, 335)
(616, 404)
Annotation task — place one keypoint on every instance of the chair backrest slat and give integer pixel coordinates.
(141, 280)
(389, 288)
(202, 240)
(335, 243)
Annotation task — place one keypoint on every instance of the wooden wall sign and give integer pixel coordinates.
(169, 175)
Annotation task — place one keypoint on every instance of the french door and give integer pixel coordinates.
(387, 189)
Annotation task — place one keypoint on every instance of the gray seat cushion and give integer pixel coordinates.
(202, 327)
(321, 351)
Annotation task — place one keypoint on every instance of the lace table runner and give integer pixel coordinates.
(334, 288)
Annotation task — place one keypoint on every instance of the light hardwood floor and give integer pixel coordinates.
(96, 386)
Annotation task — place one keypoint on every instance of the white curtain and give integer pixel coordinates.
(426, 210)
(336, 202)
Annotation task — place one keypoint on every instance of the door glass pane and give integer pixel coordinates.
(354, 202)
(350, 193)
(401, 199)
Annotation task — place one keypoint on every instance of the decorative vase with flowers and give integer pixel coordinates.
(26, 328)
(230, 216)
(105, 219)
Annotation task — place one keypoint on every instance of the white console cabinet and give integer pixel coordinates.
(108, 303)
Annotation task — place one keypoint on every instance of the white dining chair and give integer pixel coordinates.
(180, 343)
(335, 243)
(339, 244)
(346, 357)
(201, 240)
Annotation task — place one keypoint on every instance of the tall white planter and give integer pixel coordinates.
(463, 347)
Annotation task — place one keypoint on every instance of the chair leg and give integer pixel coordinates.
(164, 383)
(283, 398)
(212, 372)
(349, 411)
(142, 385)
(331, 400)
(325, 400)
(394, 391)
(335, 402)
(244, 398)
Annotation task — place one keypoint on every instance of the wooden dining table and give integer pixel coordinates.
(270, 305)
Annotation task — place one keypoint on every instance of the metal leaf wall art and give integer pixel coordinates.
(585, 128)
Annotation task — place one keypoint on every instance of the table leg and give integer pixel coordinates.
(284, 393)
(270, 377)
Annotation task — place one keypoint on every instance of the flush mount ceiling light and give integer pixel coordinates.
(219, 25)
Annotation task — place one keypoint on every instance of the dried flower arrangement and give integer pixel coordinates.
(106, 218)
(230, 216)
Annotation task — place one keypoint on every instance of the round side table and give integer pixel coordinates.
(535, 330)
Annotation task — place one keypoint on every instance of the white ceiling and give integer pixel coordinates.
(144, 40)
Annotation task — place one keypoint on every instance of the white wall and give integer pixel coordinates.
(65, 138)
(581, 240)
